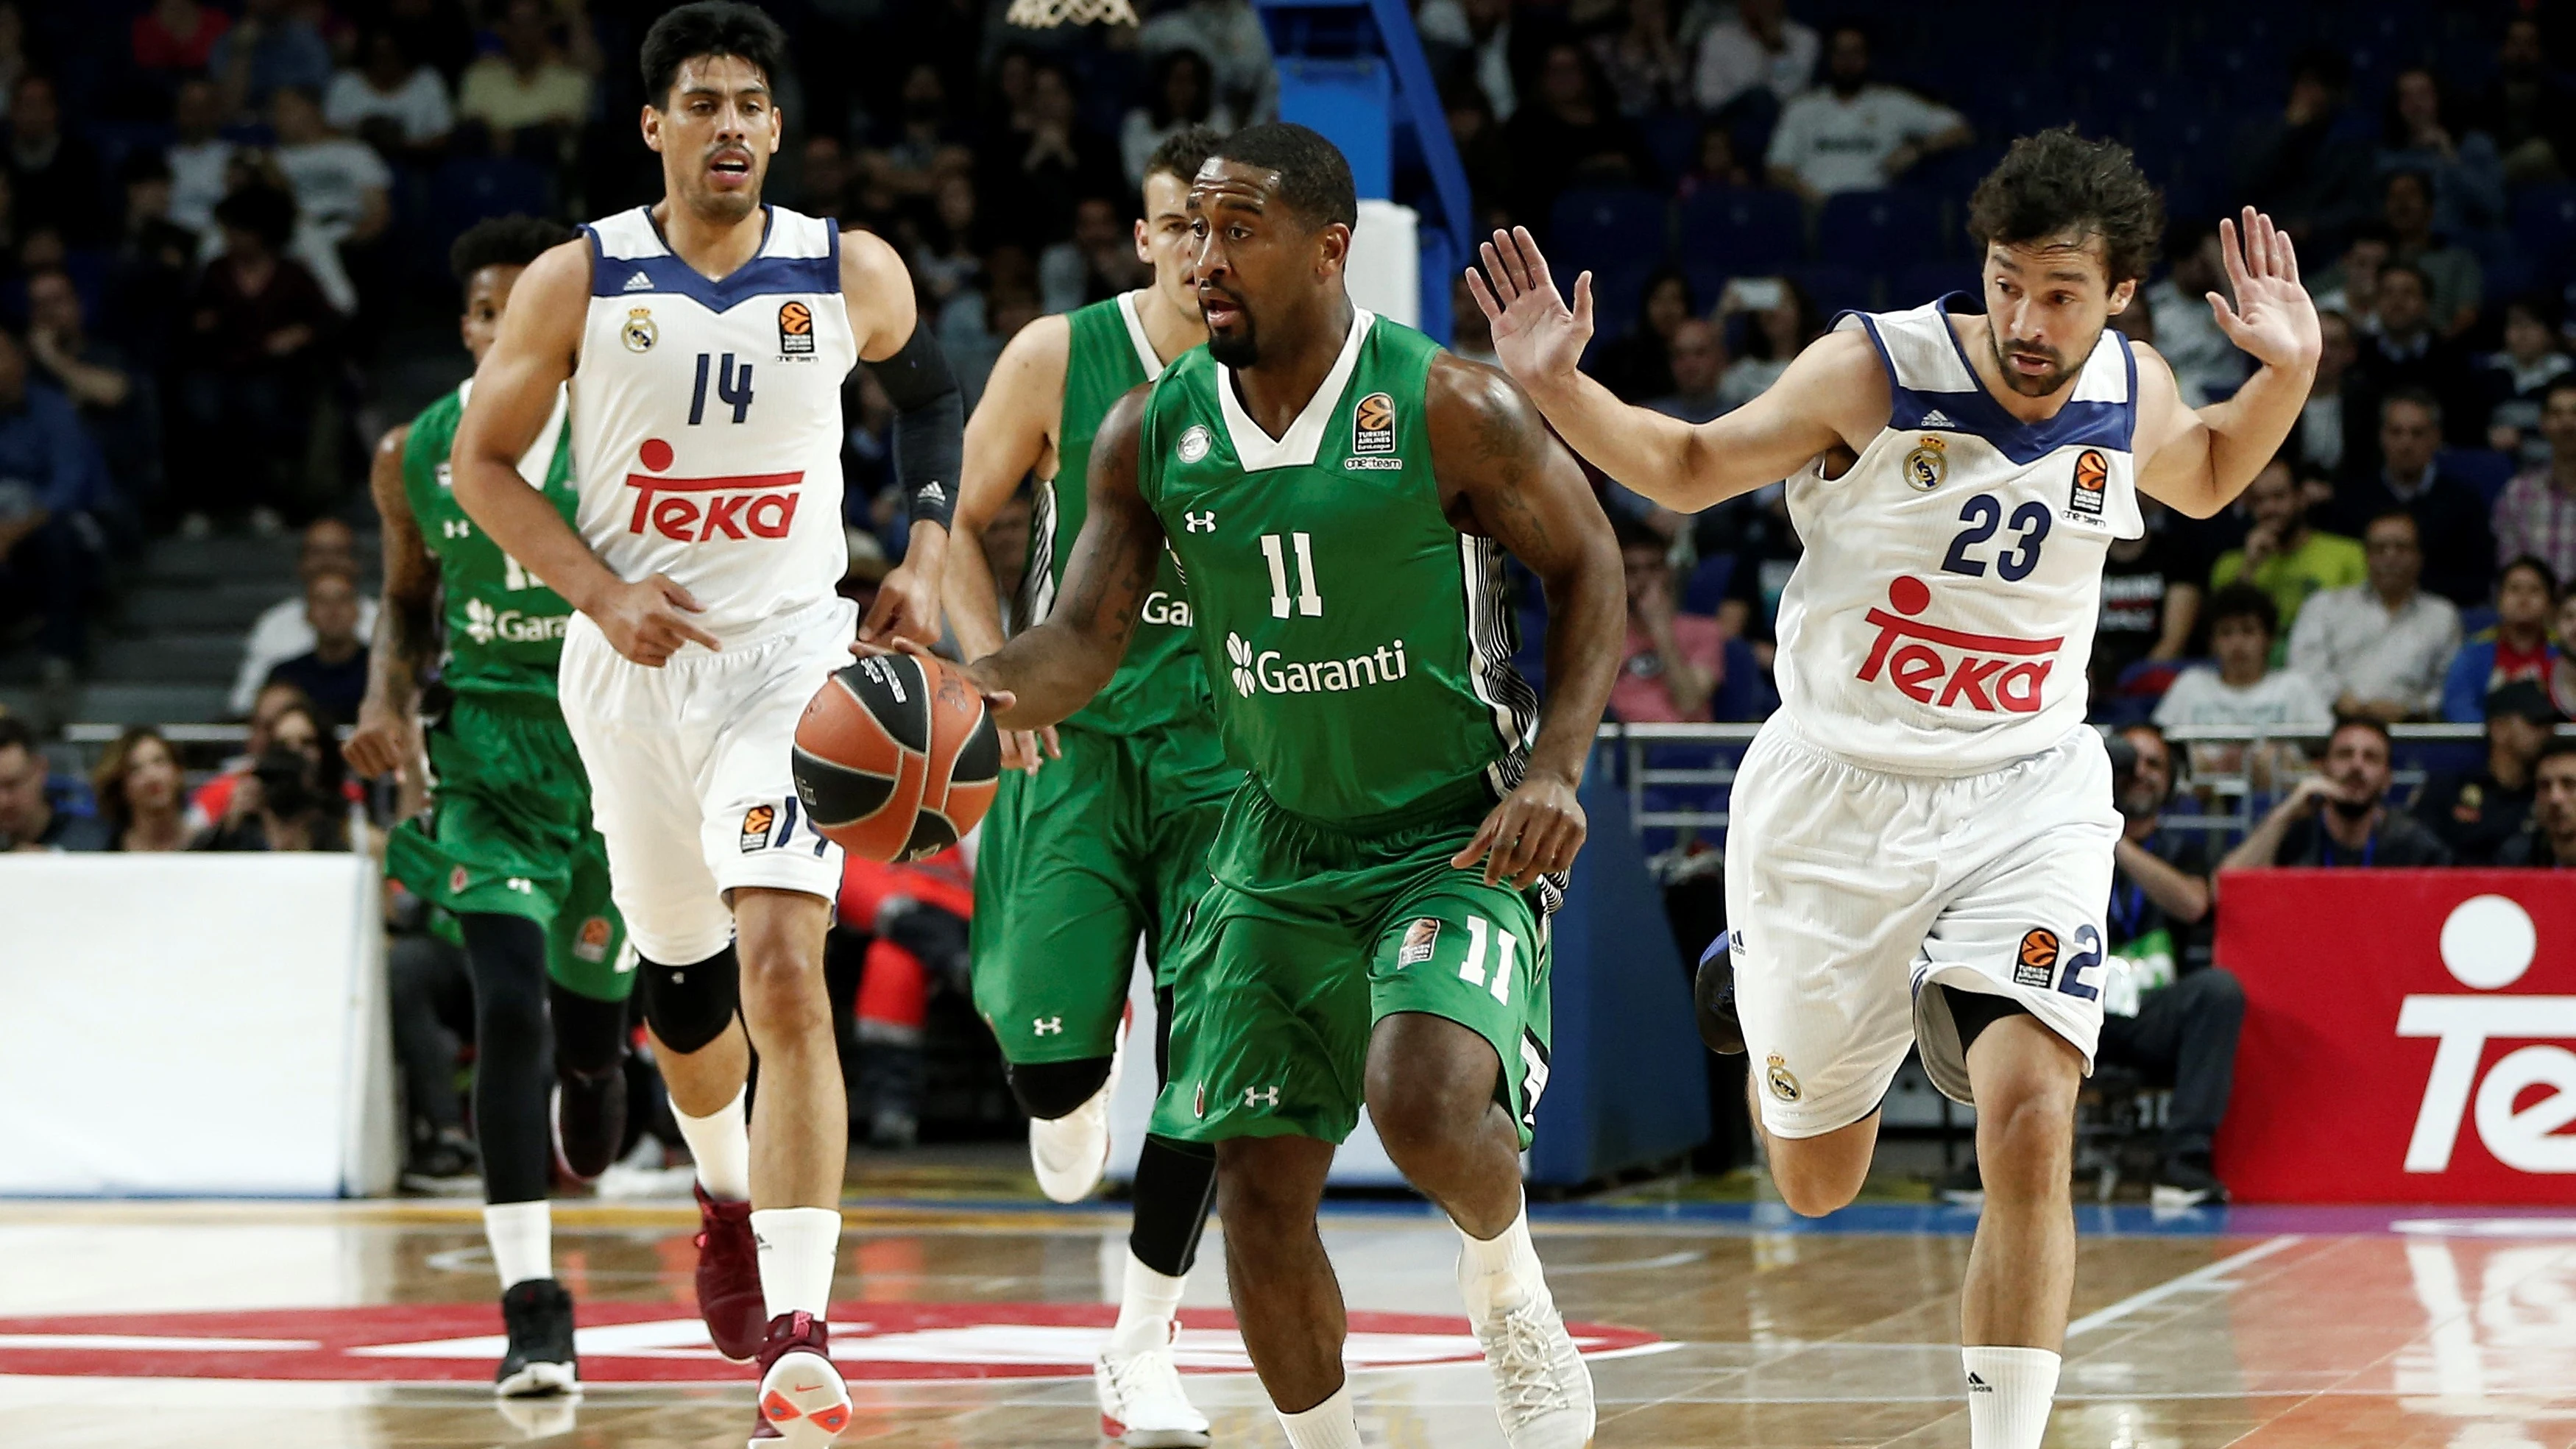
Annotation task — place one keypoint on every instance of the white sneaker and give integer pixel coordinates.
(1070, 1153)
(1542, 1391)
(1142, 1404)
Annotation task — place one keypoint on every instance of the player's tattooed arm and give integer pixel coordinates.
(1502, 475)
(1054, 669)
(386, 739)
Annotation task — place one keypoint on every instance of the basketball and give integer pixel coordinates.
(896, 757)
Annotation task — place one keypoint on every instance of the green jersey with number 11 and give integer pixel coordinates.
(504, 627)
(1358, 646)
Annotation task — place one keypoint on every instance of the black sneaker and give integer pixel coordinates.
(1963, 1185)
(538, 1315)
(2187, 1182)
(443, 1165)
(1713, 1000)
(590, 1121)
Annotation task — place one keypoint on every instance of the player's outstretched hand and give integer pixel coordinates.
(2273, 319)
(906, 607)
(1534, 832)
(1536, 335)
(384, 742)
(648, 620)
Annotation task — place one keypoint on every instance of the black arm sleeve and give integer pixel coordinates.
(929, 423)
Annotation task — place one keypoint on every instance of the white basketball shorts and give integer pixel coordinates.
(1851, 892)
(691, 773)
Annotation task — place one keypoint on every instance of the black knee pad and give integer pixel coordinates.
(690, 1006)
(1048, 1090)
(1973, 1011)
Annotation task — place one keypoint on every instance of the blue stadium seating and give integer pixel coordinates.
(1618, 235)
(1705, 589)
(1833, 288)
(1877, 232)
(1923, 281)
(2481, 468)
(1739, 232)
(469, 189)
(2544, 222)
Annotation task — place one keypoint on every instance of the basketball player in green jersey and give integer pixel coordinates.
(507, 844)
(1101, 832)
(1337, 492)
(1106, 842)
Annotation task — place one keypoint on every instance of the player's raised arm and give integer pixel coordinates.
(514, 393)
(385, 741)
(1515, 485)
(1684, 467)
(929, 417)
(2198, 461)
(1055, 668)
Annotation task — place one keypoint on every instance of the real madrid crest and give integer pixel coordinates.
(640, 333)
(1783, 1085)
(1927, 465)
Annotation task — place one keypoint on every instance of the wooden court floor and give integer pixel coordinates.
(351, 1326)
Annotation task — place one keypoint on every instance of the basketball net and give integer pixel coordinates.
(1042, 14)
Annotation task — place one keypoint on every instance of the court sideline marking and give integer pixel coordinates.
(2196, 1279)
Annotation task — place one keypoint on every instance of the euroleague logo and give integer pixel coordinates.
(2036, 964)
(795, 330)
(2092, 481)
(664, 1342)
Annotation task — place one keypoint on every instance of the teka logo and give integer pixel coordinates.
(696, 510)
(1950, 668)
(2488, 943)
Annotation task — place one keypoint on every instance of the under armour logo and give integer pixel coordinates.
(456, 528)
(1261, 1097)
(1200, 522)
(1048, 1026)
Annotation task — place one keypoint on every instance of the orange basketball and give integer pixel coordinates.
(896, 757)
(2038, 948)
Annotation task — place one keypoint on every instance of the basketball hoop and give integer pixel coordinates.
(1044, 14)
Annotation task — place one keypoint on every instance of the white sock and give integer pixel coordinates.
(523, 1241)
(721, 1142)
(1501, 1272)
(1329, 1425)
(798, 1247)
(1145, 1308)
(2009, 1391)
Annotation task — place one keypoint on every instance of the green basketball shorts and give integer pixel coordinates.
(1312, 934)
(509, 833)
(1096, 851)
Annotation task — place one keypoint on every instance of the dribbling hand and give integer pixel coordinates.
(906, 607)
(995, 700)
(1534, 832)
(1538, 338)
(648, 620)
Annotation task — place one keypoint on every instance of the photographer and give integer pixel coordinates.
(2355, 825)
(2168, 1015)
(293, 798)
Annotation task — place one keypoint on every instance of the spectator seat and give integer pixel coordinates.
(1617, 234)
(2481, 468)
(1876, 232)
(1738, 232)
(2544, 222)
(1705, 589)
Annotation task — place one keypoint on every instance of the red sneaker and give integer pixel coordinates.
(803, 1402)
(729, 1278)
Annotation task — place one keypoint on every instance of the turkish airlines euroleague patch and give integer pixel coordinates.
(1373, 424)
(666, 1343)
(755, 827)
(2092, 480)
(2037, 964)
(795, 329)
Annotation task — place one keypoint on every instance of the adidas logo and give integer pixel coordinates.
(1933, 419)
(933, 493)
(639, 283)
(1977, 1385)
